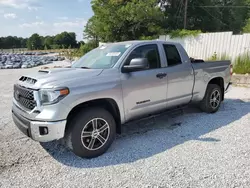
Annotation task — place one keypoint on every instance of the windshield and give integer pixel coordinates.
(103, 57)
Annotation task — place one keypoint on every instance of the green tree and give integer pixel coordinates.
(9, 42)
(80, 43)
(73, 42)
(206, 15)
(58, 40)
(91, 30)
(118, 20)
(246, 28)
(65, 39)
(85, 48)
(23, 42)
(48, 41)
(34, 42)
(42, 38)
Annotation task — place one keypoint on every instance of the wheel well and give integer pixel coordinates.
(220, 82)
(108, 104)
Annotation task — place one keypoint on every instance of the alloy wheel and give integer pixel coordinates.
(215, 99)
(95, 134)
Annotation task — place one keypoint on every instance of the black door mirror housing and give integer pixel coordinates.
(136, 65)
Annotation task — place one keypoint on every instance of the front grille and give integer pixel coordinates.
(24, 97)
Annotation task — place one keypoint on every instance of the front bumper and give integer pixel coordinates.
(40, 131)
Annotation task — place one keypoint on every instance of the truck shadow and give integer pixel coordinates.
(146, 138)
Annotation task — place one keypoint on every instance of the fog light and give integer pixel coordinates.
(44, 130)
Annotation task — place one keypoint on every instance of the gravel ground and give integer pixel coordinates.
(190, 149)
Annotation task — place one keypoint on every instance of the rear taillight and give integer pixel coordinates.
(231, 69)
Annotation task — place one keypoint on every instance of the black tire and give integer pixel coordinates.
(205, 104)
(80, 145)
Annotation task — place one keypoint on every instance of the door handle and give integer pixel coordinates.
(161, 75)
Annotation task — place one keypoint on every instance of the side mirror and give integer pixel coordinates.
(136, 64)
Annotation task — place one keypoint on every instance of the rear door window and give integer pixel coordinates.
(172, 55)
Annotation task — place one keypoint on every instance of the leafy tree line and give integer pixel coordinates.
(59, 41)
(118, 20)
(12, 42)
(37, 42)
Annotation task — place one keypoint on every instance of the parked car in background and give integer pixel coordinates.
(26, 64)
(8, 64)
(17, 65)
(2, 66)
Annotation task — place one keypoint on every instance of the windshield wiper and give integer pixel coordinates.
(85, 68)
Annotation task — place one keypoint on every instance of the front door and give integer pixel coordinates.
(144, 91)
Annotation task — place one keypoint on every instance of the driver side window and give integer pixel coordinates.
(148, 51)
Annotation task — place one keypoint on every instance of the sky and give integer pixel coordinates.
(22, 18)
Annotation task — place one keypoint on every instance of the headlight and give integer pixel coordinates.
(50, 96)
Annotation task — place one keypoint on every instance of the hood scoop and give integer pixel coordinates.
(54, 70)
(44, 71)
(28, 80)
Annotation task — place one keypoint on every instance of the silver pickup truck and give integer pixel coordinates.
(87, 103)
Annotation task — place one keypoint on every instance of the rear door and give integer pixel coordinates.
(180, 76)
(144, 91)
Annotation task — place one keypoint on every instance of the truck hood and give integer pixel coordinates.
(54, 77)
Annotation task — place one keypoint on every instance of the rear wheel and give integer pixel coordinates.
(212, 99)
(91, 133)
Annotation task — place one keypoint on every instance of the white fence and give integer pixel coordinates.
(205, 45)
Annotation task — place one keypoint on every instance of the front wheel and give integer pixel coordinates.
(91, 133)
(212, 99)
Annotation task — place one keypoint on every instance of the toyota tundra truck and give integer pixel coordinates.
(86, 104)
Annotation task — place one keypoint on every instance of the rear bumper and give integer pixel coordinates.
(229, 87)
(40, 131)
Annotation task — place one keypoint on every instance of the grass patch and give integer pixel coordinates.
(242, 64)
(182, 33)
(216, 57)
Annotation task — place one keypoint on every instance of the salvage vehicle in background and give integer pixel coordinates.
(86, 104)
(10, 61)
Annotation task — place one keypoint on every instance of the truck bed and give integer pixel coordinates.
(207, 70)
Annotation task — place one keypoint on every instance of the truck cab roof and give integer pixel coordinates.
(134, 42)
